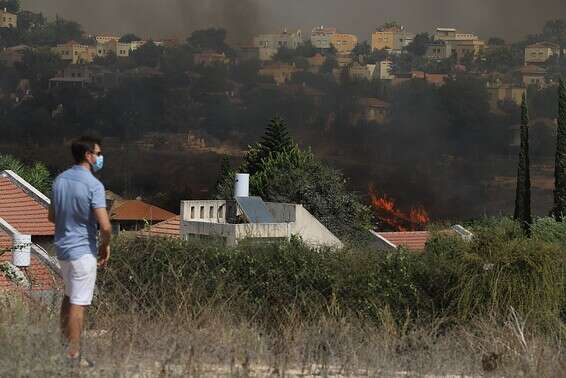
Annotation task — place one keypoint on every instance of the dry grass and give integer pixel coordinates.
(212, 343)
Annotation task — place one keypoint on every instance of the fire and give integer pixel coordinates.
(394, 219)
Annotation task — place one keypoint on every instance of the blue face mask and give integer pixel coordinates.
(97, 166)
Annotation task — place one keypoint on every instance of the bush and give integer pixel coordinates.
(453, 279)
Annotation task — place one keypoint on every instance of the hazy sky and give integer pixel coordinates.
(510, 19)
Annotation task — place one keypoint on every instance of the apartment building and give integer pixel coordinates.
(7, 19)
(541, 52)
(268, 44)
(343, 43)
(394, 39)
(75, 53)
(102, 39)
(321, 37)
(450, 42)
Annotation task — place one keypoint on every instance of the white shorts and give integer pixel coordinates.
(79, 277)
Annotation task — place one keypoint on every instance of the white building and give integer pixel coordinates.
(7, 19)
(321, 37)
(250, 219)
(268, 44)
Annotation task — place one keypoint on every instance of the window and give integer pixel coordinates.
(202, 212)
(221, 212)
(211, 212)
(192, 212)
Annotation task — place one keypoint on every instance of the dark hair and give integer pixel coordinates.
(83, 145)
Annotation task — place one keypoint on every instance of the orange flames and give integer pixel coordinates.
(394, 219)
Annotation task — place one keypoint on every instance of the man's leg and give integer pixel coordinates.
(75, 328)
(64, 321)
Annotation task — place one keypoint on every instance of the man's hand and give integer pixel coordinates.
(103, 255)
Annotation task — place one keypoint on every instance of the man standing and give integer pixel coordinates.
(78, 204)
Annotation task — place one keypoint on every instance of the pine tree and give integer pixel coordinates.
(276, 138)
(275, 141)
(560, 163)
(523, 194)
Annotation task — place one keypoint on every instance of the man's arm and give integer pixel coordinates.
(105, 234)
(51, 214)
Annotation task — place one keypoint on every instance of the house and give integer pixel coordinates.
(383, 69)
(269, 44)
(448, 42)
(119, 49)
(24, 228)
(321, 37)
(359, 71)
(75, 53)
(532, 75)
(7, 19)
(374, 110)
(393, 39)
(135, 215)
(414, 241)
(12, 55)
(169, 228)
(541, 52)
(209, 58)
(499, 92)
(251, 219)
(316, 62)
(280, 72)
(247, 52)
(344, 60)
(343, 43)
(73, 76)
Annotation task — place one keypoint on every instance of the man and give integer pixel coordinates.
(78, 204)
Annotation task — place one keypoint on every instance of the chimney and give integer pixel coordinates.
(242, 185)
(21, 256)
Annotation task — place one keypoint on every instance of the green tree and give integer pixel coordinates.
(419, 45)
(37, 174)
(523, 193)
(147, 55)
(39, 66)
(560, 160)
(209, 39)
(129, 37)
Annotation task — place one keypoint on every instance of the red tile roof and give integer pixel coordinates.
(40, 276)
(22, 209)
(136, 210)
(412, 240)
(169, 228)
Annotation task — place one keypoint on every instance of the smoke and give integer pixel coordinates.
(510, 19)
(155, 19)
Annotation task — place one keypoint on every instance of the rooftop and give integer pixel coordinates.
(23, 206)
(412, 240)
(168, 228)
(137, 210)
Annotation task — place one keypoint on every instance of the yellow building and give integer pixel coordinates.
(394, 38)
(344, 43)
(7, 19)
(500, 92)
(76, 53)
(541, 52)
(280, 72)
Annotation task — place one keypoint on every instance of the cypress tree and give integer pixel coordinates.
(560, 161)
(523, 194)
(276, 138)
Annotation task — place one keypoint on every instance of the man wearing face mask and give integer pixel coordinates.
(78, 204)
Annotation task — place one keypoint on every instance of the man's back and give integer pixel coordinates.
(76, 192)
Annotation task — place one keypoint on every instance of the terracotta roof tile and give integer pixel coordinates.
(41, 277)
(25, 213)
(136, 210)
(412, 240)
(169, 228)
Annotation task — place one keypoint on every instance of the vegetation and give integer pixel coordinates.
(281, 172)
(36, 174)
(523, 193)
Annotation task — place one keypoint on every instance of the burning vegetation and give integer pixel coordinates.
(390, 218)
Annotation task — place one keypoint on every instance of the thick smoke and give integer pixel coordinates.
(511, 19)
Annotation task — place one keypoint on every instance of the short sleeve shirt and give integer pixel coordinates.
(76, 192)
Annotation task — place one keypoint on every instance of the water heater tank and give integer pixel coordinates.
(21, 255)
(242, 185)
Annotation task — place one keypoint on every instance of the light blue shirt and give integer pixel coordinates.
(76, 192)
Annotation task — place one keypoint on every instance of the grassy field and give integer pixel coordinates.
(491, 307)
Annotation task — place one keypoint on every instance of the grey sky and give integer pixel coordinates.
(510, 19)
